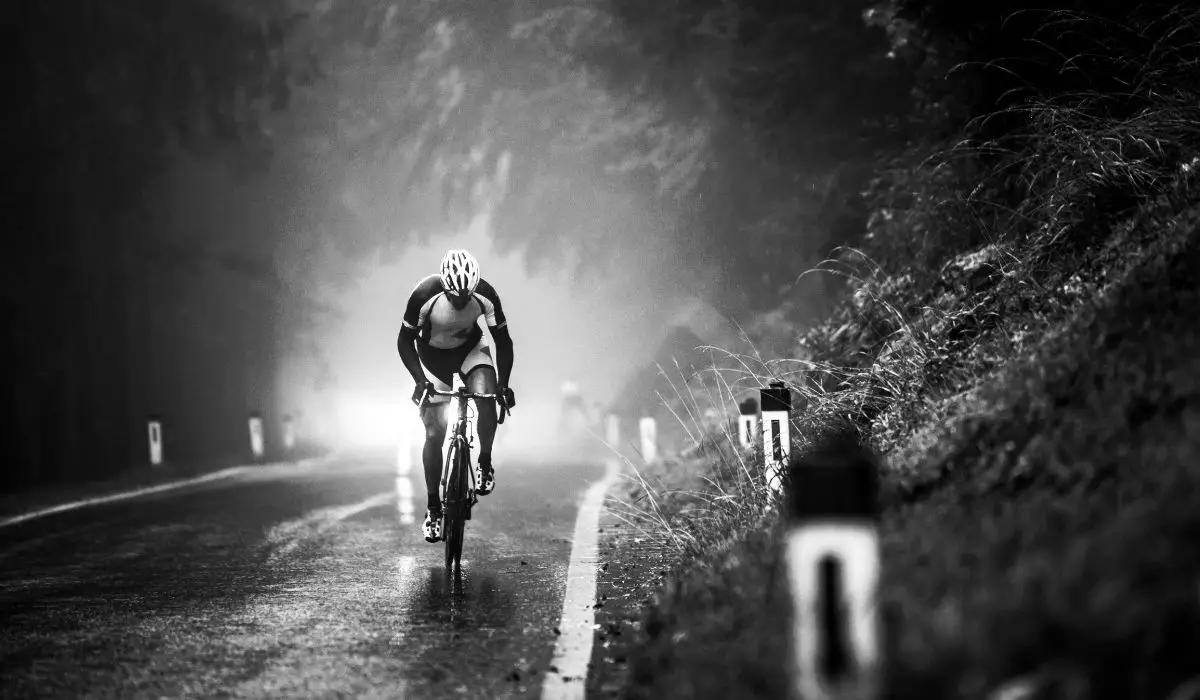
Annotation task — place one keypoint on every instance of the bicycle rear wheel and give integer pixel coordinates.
(455, 508)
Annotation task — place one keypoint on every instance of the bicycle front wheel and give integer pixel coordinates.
(455, 508)
(454, 542)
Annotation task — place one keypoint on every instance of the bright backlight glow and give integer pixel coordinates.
(367, 422)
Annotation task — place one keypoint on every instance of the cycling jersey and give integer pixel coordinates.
(444, 327)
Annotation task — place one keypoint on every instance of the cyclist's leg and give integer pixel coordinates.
(434, 418)
(482, 380)
(439, 367)
(479, 375)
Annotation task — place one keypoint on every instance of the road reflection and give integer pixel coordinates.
(404, 500)
(463, 599)
(455, 628)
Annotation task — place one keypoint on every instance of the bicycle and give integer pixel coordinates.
(457, 486)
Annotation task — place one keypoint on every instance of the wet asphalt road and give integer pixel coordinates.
(296, 582)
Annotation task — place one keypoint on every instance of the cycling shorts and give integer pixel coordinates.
(441, 365)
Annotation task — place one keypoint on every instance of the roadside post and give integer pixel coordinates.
(832, 560)
(256, 435)
(154, 433)
(747, 422)
(612, 430)
(776, 402)
(289, 433)
(649, 435)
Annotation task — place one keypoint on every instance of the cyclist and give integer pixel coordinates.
(441, 335)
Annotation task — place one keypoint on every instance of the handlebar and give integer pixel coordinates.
(462, 393)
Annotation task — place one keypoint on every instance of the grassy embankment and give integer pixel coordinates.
(1037, 404)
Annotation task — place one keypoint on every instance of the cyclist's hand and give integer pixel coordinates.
(506, 398)
(421, 391)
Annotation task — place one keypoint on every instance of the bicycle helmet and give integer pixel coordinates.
(460, 272)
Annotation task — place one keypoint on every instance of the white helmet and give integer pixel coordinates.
(460, 272)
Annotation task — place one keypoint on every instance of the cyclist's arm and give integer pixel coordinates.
(493, 316)
(406, 344)
(504, 353)
(414, 317)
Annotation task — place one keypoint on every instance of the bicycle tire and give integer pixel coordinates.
(454, 543)
(455, 508)
(464, 501)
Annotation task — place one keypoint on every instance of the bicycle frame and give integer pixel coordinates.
(457, 486)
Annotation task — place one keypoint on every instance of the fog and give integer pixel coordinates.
(228, 238)
(340, 377)
(592, 331)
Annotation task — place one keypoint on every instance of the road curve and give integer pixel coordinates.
(290, 582)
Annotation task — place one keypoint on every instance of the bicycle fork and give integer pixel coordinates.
(459, 446)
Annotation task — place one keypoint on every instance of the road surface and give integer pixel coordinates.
(290, 581)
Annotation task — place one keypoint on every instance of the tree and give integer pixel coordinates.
(485, 105)
(108, 94)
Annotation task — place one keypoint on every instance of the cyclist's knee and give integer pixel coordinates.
(435, 424)
(482, 380)
(435, 431)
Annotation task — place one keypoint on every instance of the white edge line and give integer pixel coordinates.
(379, 499)
(573, 651)
(223, 474)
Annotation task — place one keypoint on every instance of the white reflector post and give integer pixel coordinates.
(289, 433)
(154, 432)
(649, 433)
(832, 553)
(256, 436)
(776, 404)
(612, 430)
(747, 423)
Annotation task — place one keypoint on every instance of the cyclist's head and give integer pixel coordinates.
(460, 276)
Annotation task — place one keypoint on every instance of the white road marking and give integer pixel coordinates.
(223, 474)
(335, 514)
(63, 507)
(289, 535)
(573, 651)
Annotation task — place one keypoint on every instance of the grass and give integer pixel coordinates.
(1037, 397)
(1029, 365)
(1040, 517)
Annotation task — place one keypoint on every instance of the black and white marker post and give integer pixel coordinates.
(832, 555)
(776, 403)
(154, 433)
(747, 423)
(256, 436)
